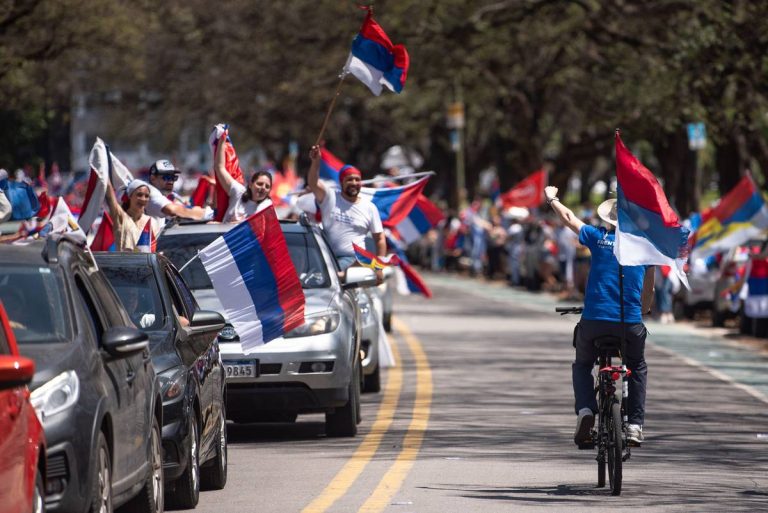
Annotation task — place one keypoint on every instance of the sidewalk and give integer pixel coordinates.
(718, 351)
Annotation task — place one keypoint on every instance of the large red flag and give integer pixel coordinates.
(529, 193)
(232, 164)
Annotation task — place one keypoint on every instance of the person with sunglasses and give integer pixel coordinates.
(163, 202)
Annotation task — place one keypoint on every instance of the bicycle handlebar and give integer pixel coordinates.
(564, 310)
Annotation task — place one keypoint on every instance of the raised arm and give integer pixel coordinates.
(565, 214)
(313, 177)
(220, 164)
(112, 204)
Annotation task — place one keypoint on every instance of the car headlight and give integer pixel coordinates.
(57, 395)
(172, 382)
(316, 324)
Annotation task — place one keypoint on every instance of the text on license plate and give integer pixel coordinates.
(241, 368)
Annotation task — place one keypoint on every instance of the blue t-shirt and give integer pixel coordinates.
(601, 301)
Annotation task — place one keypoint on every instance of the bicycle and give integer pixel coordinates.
(610, 435)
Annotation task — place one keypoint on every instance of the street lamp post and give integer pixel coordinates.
(456, 122)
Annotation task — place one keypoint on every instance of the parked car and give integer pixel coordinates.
(94, 388)
(186, 357)
(702, 280)
(315, 368)
(22, 444)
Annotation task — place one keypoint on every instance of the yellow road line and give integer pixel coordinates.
(393, 479)
(362, 456)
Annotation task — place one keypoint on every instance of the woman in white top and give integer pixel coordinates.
(129, 218)
(243, 201)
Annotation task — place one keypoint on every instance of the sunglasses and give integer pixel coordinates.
(170, 178)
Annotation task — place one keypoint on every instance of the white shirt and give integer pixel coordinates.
(347, 223)
(237, 210)
(157, 202)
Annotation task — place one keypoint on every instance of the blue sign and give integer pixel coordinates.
(697, 136)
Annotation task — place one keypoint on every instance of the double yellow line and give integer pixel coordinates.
(393, 479)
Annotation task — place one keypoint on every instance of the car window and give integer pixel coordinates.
(180, 249)
(137, 289)
(183, 289)
(35, 302)
(178, 303)
(93, 318)
(302, 247)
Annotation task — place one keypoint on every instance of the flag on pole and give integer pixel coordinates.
(424, 216)
(529, 193)
(232, 164)
(395, 203)
(375, 61)
(254, 277)
(408, 280)
(648, 232)
(104, 166)
(739, 216)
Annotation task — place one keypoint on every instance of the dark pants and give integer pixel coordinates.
(586, 356)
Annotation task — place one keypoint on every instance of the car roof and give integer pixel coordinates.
(125, 258)
(29, 254)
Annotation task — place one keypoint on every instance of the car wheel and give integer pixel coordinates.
(150, 499)
(343, 421)
(373, 381)
(718, 318)
(214, 475)
(38, 499)
(185, 492)
(387, 322)
(101, 485)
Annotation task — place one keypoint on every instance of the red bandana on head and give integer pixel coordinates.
(347, 171)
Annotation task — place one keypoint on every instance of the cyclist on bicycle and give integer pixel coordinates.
(602, 317)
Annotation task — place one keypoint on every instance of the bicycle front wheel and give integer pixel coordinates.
(615, 448)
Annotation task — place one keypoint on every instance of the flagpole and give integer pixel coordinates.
(331, 106)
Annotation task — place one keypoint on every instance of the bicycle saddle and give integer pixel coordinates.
(608, 343)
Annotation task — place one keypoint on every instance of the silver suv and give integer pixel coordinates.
(315, 368)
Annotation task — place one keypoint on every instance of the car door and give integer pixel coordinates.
(113, 373)
(207, 362)
(140, 376)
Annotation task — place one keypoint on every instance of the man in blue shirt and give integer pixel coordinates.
(602, 316)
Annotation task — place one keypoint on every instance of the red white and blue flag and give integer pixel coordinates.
(395, 203)
(232, 164)
(408, 280)
(146, 242)
(330, 166)
(105, 236)
(649, 231)
(424, 216)
(756, 303)
(255, 280)
(375, 61)
(368, 259)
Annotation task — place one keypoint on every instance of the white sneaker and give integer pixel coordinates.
(584, 423)
(635, 435)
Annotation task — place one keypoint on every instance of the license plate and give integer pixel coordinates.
(241, 368)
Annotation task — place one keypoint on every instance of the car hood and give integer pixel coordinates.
(317, 300)
(53, 359)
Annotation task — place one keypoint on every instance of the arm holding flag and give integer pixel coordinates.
(313, 177)
(565, 214)
(220, 164)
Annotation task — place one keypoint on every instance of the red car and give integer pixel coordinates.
(22, 445)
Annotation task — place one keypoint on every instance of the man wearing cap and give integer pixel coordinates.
(346, 217)
(163, 202)
(602, 316)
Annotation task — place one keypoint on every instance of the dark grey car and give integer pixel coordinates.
(94, 389)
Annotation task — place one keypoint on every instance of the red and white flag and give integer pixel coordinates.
(232, 164)
(529, 193)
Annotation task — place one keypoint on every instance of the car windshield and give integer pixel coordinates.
(303, 248)
(137, 289)
(36, 305)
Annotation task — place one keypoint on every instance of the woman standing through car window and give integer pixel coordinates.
(129, 218)
(243, 201)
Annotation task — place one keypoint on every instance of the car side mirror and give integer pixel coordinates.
(207, 320)
(123, 341)
(15, 371)
(359, 277)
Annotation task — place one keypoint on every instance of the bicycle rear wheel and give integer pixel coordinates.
(615, 448)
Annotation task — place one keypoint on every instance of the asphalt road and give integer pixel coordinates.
(479, 418)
